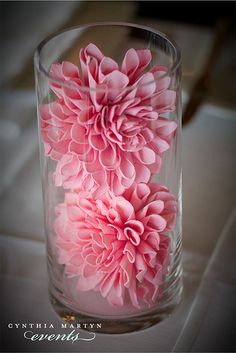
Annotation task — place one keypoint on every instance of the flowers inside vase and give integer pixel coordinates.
(107, 132)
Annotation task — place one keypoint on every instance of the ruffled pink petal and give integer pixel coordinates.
(89, 157)
(142, 172)
(138, 196)
(126, 168)
(94, 169)
(107, 284)
(154, 207)
(159, 145)
(108, 157)
(127, 268)
(145, 57)
(145, 86)
(87, 206)
(166, 128)
(133, 293)
(117, 292)
(170, 221)
(130, 63)
(93, 51)
(124, 208)
(116, 186)
(116, 81)
(161, 78)
(119, 232)
(164, 102)
(132, 236)
(136, 225)
(113, 217)
(106, 66)
(88, 182)
(135, 61)
(127, 182)
(97, 142)
(78, 133)
(141, 267)
(72, 166)
(156, 167)
(147, 135)
(90, 52)
(146, 155)
(146, 249)
(66, 165)
(56, 71)
(129, 251)
(153, 238)
(86, 116)
(155, 222)
(69, 70)
(80, 149)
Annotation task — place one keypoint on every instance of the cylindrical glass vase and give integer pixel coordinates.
(109, 113)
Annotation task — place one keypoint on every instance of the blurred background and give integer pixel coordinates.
(206, 34)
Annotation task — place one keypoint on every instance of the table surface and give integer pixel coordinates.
(204, 321)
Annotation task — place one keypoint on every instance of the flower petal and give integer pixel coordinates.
(78, 148)
(78, 133)
(127, 271)
(145, 56)
(141, 267)
(165, 128)
(142, 173)
(132, 236)
(154, 207)
(116, 81)
(126, 168)
(97, 141)
(117, 293)
(135, 62)
(108, 157)
(106, 66)
(93, 51)
(164, 102)
(159, 145)
(133, 293)
(130, 62)
(129, 251)
(116, 185)
(56, 71)
(124, 208)
(155, 222)
(145, 86)
(146, 155)
(107, 283)
(161, 78)
(69, 70)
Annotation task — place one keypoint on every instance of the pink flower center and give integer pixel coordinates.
(133, 229)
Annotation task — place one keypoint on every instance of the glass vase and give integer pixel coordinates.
(109, 114)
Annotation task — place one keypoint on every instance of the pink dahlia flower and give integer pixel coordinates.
(117, 245)
(106, 128)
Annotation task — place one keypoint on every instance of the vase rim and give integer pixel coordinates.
(170, 70)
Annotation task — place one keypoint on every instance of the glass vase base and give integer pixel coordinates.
(116, 325)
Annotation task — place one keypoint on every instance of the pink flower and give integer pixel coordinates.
(112, 134)
(118, 244)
